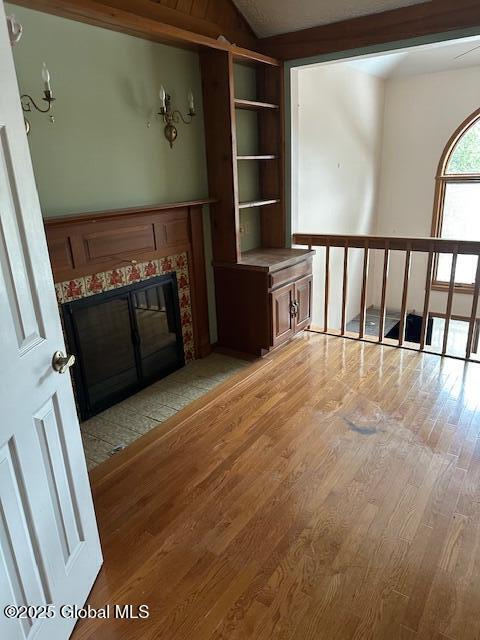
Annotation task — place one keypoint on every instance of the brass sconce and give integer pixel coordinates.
(171, 116)
(15, 30)
(27, 100)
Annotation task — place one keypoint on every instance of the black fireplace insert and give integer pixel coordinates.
(124, 340)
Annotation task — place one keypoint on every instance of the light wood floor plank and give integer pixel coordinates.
(332, 491)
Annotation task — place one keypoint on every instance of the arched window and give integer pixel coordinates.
(456, 212)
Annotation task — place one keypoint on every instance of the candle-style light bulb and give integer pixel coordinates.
(46, 77)
(162, 95)
(191, 103)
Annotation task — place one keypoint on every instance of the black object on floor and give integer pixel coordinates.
(413, 329)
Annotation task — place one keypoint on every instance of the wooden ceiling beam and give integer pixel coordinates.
(426, 19)
(219, 17)
(111, 14)
(108, 17)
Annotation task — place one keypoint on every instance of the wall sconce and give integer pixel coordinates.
(15, 30)
(27, 100)
(172, 116)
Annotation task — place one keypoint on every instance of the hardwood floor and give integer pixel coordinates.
(333, 494)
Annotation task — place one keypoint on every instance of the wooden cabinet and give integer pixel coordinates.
(291, 308)
(283, 318)
(303, 302)
(264, 300)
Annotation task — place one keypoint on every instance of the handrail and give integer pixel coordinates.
(394, 243)
(409, 245)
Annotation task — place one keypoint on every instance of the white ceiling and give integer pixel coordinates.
(432, 58)
(270, 17)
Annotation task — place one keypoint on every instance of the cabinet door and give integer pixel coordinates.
(303, 300)
(283, 321)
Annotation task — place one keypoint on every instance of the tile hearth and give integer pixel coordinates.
(117, 427)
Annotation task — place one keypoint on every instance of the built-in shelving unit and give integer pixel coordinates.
(250, 196)
(262, 288)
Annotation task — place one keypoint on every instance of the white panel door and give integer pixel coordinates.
(49, 546)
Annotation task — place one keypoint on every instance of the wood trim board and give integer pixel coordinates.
(415, 21)
(394, 243)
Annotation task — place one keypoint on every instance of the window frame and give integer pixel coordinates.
(441, 181)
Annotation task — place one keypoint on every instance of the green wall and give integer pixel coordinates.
(100, 154)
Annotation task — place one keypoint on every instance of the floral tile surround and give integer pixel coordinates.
(71, 290)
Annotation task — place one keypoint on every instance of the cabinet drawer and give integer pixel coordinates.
(290, 273)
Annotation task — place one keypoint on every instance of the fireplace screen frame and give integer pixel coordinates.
(86, 407)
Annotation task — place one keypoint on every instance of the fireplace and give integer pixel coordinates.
(124, 340)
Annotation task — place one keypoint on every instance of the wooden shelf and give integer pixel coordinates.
(253, 105)
(265, 157)
(258, 203)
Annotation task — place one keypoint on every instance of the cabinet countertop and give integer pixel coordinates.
(268, 260)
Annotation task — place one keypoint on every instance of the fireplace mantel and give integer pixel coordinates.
(84, 244)
(91, 216)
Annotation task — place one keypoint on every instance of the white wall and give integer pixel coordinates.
(337, 119)
(421, 113)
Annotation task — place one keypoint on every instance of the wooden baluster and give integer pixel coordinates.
(386, 262)
(426, 303)
(345, 288)
(406, 279)
(451, 288)
(476, 337)
(363, 302)
(473, 315)
(327, 287)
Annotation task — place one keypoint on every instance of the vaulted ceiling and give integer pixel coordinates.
(271, 17)
(431, 58)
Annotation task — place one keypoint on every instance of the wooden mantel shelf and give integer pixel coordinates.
(110, 213)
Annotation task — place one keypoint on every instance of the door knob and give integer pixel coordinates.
(62, 362)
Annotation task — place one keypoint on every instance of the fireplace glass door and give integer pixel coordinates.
(124, 340)
(155, 318)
